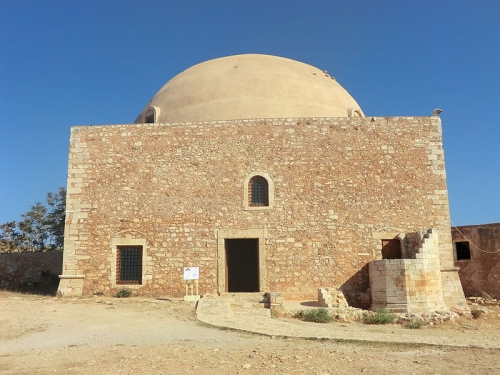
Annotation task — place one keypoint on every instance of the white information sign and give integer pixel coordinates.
(191, 273)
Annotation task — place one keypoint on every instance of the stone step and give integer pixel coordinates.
(227, 305)
(397, 307)
(236, 301)
(246, 300)
(245, 296)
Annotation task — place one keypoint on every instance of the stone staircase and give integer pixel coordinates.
(229, 306)
(247, 300)
(428, 245)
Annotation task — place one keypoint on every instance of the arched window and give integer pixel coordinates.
(151, 115)
(258, 192)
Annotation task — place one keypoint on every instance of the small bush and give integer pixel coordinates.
(380, 316)
(414, 324)
(320, 315)
(124, 293)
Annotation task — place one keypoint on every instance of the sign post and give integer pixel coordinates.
(191, 279)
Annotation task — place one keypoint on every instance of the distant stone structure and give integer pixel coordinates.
(477, 253)
(264, 173)
(30, 271)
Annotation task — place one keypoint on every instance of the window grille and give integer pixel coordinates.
(462, 250)
(129, 265)
(258, 190)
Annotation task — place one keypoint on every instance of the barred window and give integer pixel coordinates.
(129, 265)
(258, 190)
(462, 250)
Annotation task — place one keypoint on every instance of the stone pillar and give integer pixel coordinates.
(276, 300)
(70, 285)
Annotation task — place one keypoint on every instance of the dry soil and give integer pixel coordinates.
(99, 335)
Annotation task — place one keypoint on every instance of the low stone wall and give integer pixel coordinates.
(21, 271)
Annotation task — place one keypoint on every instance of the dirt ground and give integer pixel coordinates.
(99, 335)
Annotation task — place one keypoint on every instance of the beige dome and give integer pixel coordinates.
(249, 86)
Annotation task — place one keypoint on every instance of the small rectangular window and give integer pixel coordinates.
(462, 250)
(391, 249)
(129, 265)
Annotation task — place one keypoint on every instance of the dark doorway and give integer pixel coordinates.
(242, 265)
(391, 249)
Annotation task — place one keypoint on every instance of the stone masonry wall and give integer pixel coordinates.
(482, 272)
(340, 185)
(20, 270)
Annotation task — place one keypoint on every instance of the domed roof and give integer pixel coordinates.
(249, 86)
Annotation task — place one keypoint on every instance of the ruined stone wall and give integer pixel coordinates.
(21, 270)
(481, 273)
(340, 186)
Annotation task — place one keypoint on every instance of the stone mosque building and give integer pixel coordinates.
(266, 174)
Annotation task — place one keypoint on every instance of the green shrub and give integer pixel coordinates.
(124, 293)
(380, 316)
(320, 315)
(414, 324)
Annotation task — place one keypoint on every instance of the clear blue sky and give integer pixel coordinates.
(66, 63)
